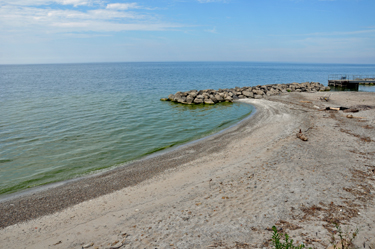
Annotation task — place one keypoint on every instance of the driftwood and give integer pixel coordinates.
(333, 108)
(351, 110)
(301, 136)
(342, 108)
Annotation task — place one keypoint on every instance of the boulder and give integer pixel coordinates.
(193, 94)
(213, 99)
(171, 97)
(258, 92)
(189, 99)
(209, 101)
(181, 100)
(248, 94)
(229, 99)
(198, 101)
(218, 97)
(258, 96)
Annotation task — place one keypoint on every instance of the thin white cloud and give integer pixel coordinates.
(74, 3)
(107, 18)
(122, 6)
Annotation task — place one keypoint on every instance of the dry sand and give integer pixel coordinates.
(225, 191)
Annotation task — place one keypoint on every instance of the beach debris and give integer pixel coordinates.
(88, 245)
(325, 98)
(57, 243)
(301, 136)
(210, 96)
(303, 101)
(349, 116)
(333, 108)
(117, 245)
(351, 110)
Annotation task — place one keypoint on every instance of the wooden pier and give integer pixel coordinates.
(350, 81)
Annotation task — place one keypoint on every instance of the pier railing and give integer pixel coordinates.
(348, 77)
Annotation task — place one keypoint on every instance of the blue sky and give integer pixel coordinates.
(64, 31)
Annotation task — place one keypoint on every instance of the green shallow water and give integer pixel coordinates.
(66, 121)
(58, 122)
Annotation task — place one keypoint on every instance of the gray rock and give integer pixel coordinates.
(198, 101)
(218, 97)
(248, 94)
(229, 99)
(189, 99)
(258, 92)
(171, 97)
(213, 99)
(181, 100)
(209, 101)
(258, 96)
(193, 94)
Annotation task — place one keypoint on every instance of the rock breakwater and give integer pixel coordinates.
(211, 96)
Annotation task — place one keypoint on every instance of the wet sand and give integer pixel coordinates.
(225, 191)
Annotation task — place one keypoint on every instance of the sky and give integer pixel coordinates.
(79, 31)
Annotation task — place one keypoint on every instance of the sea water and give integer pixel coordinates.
(61, 121)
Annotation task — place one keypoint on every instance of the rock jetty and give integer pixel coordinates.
(211, 96)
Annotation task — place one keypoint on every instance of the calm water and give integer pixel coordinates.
(58, 122)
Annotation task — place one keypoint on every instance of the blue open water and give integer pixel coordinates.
(61, 121)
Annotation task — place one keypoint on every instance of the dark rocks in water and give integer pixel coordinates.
(211, 96)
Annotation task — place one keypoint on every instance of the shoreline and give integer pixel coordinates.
(227, 189)
(25, 200)
(27, 192)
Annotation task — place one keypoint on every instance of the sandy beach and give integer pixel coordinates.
(225, 191)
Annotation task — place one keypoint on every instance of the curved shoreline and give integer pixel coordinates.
(231, 188)
(167, 149)
(31, 204)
